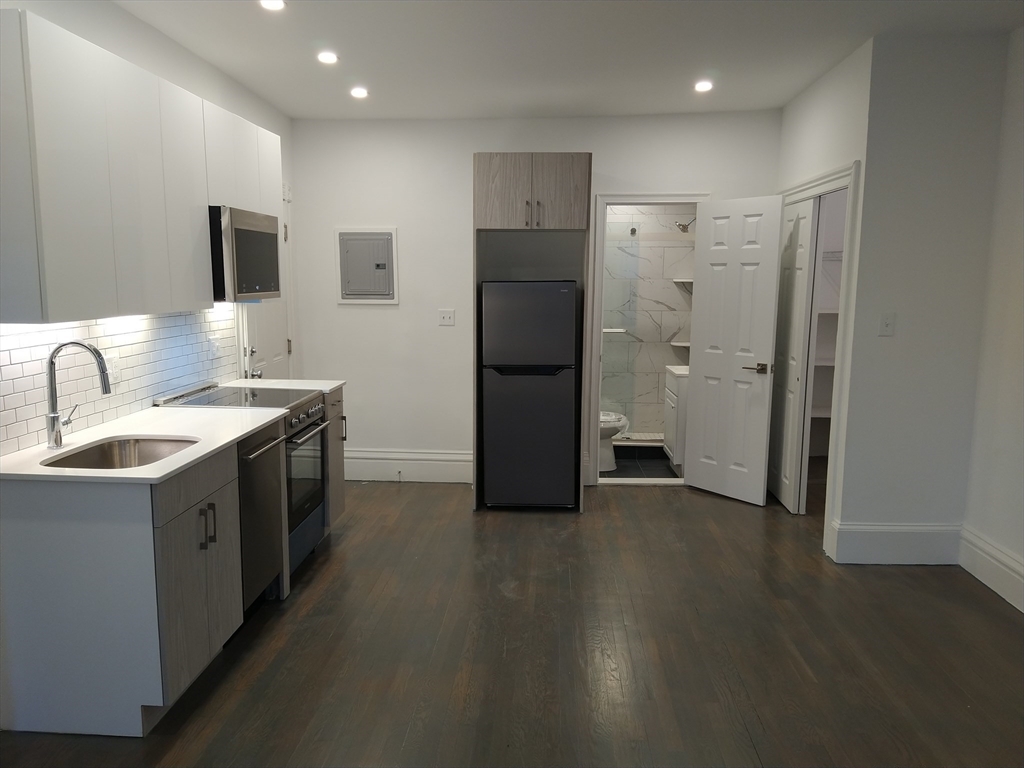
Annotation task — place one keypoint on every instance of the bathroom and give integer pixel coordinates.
(647, 300)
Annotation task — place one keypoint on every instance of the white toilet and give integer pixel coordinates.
(611, 424)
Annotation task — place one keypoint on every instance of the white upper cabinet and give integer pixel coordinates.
(108, 172)
(188, 220)
(232, 159)
(137, 188)
(67, 123)
(269, 146)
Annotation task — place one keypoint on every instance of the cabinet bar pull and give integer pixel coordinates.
(344, 428)
(205, 543)
(265, 448)
(213, 514)
(538, 214)
(527, 214)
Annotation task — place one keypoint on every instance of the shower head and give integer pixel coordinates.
(685, 227)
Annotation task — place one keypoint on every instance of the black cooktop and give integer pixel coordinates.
(249, 397)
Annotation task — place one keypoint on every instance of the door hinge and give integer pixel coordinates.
(289, 346)
(286, 233)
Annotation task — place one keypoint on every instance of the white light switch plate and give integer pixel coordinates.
(446, 317)
(113, 361)
(214, 346)
(887, 327)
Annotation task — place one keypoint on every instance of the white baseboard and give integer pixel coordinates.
(993, 565)
(894, 543)
(417, 466)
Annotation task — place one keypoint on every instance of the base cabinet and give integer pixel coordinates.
(198, 586)
(337, 434)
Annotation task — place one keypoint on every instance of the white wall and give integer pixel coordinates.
(409, 381)
(993, 539)
(826, 126)
(929, 176)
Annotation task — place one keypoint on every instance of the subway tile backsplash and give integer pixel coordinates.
(153, 354)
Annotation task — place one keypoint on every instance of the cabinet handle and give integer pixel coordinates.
(205, 543)
(344, 428)
(538, 214)
(527, 214)
(213, 514)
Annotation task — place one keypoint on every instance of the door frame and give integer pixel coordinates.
(594, 298)
(848, 176)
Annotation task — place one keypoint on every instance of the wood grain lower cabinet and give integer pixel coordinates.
(199, 586)
(336, 436)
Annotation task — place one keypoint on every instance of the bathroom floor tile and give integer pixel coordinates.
(625, 468)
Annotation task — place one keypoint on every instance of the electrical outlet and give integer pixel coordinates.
(113, 360)
(214, 346)
(446, 317)
(887, 327)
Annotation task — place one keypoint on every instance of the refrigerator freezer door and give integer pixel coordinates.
(529, 439)
(529, 323)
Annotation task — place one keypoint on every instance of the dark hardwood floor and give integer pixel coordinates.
(663, 626)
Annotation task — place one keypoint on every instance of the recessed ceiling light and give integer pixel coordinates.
(703, 85)
(327, 57)
(273, 5)
(359, 92)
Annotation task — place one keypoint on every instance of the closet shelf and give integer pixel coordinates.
(821, 411)
(825, 362)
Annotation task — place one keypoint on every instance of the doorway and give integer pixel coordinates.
(813, 244)
(643, 270)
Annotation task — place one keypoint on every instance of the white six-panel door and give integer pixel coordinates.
(732, 330)
(785, 464)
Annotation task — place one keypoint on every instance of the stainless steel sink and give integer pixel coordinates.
(122, 453)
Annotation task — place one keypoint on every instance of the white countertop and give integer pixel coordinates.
(324, 385)
(678, 370)
(215, 428)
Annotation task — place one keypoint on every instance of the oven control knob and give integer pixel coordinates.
(294, 422)
(311, 412)
(302, 417)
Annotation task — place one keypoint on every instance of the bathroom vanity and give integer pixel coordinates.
(677, 379)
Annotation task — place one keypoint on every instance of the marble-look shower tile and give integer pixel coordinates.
(675, 326)
(616, 231)
(619, 294)
(639, 326)
(614, 357)
(678, 261)
(650, 261)
(630, 387)
(611, 405)
(651, 357)
(648, 417)
(621, 261)
(661, 294)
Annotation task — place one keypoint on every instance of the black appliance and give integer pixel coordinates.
(529, 384)
(243, 248)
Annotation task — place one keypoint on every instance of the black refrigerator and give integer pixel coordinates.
(528, 355)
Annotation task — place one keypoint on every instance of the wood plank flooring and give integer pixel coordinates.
(663, 626)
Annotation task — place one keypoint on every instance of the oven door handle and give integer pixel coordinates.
(309, 435)
(265, 448)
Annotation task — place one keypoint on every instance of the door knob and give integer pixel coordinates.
(759, 367)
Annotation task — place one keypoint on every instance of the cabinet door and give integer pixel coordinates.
(72, 174)
(224, 565)
(561, 190)
(137, 188)
(232, 159)
(269, 147)
(502, 196)
(670, 424)
(180, 548)
(336, 456)
(188, 221)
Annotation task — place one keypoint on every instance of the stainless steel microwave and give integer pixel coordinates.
(243, 245)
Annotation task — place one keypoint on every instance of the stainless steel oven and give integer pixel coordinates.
(307, 461)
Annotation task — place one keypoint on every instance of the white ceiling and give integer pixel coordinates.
(474, 58)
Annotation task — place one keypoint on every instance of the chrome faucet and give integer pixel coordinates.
(54, 422)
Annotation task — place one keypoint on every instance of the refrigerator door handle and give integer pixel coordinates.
(529, 370)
